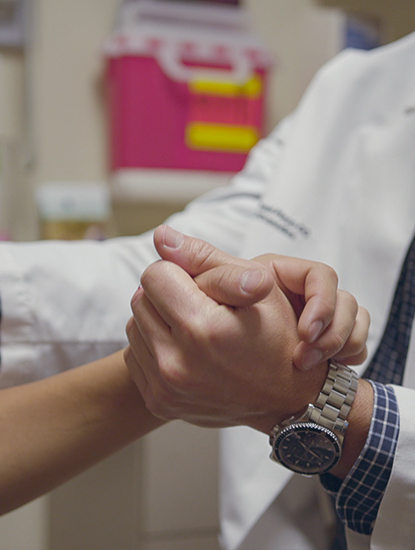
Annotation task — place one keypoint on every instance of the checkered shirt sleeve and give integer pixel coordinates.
(359, 496)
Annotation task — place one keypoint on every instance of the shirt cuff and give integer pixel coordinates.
(359, 495)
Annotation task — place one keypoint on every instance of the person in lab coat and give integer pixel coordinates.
(333, 183)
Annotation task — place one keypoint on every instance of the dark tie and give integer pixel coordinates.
(388, 363)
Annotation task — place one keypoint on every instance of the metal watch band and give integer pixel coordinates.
(335, 399)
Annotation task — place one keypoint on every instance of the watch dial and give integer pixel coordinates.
(307, 448)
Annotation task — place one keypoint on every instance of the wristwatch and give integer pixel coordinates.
(312, 442)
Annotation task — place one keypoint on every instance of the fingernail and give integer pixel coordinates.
(312, 358)
(316, 328)
(251, 280)
(172, 238)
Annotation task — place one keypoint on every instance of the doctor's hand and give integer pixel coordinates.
(330, 322)
(211, 364)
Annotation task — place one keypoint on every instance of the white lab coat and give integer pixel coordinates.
(334, 183)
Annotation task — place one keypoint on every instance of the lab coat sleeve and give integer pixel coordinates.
(67, 303)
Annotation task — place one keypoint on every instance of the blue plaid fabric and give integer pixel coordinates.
(359, 496)
(388, 363)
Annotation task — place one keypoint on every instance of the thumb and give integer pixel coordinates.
(221, 276)
(236, 285)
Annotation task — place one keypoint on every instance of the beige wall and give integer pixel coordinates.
(69, 127)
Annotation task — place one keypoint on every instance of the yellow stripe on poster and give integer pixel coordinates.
(251, 88)
(217, 137)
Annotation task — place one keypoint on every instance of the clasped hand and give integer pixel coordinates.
(220, 341)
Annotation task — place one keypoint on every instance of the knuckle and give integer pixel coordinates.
(203, 254)
(337, 342)
(130, 328)
(355, 344)
(354, 359)
(157, 408)
(195, 329)
(147, 273)
(174, 376)
(326, 272)
(331, 346)
(352, 302)
(157, 270)
(159, 401)
(332, 274)
(364, 316)
(128, 356)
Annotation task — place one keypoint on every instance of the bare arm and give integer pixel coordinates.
(54, 429)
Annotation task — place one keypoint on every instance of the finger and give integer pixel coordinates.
(138, 346)
(148, 333)
(193, 255)
(334, 338)
(344, 338)
(145, 372)
(223, 277)
(354, 351)
(356, 359)
(314, 281)
(138, 355)
(173, 293)
(234, 285)
(135, 371)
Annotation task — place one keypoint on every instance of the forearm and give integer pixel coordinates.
(53, 429)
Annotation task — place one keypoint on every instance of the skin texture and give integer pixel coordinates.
(53, 429)
(230, 360)
(331, 324)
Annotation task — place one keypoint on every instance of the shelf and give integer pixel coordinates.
(152, 185)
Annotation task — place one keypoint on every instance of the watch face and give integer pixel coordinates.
(307, 448)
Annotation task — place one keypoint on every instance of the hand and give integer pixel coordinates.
(212, 365)
(331, 324)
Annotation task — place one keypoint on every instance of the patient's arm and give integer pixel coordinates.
(53, 429)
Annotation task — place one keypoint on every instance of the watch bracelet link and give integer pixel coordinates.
(335, 399)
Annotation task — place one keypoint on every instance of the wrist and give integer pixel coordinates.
(359, 419)
(303, 388)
